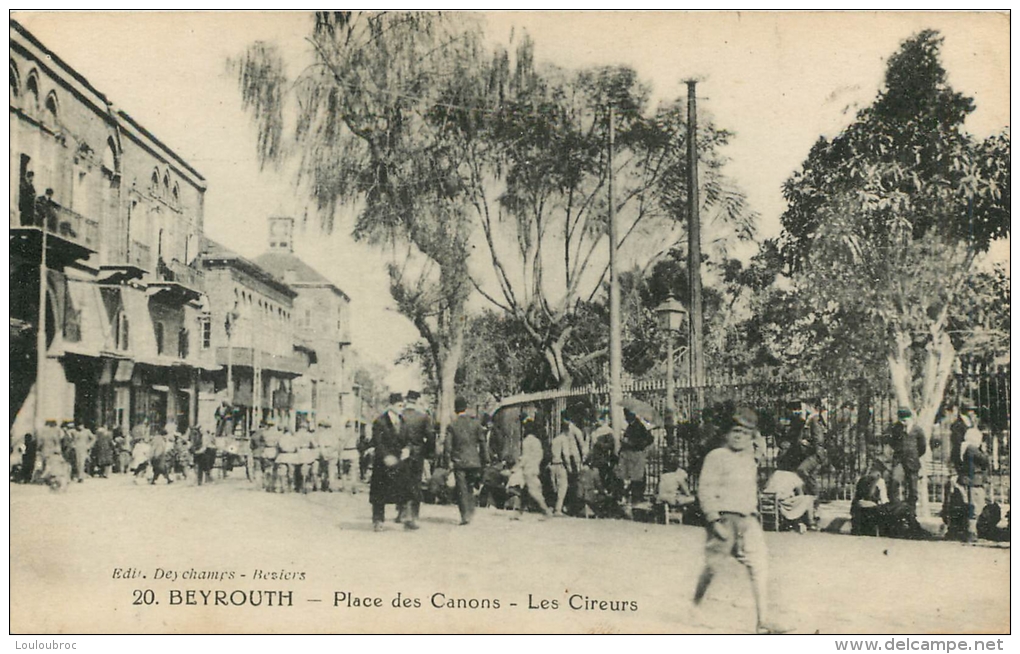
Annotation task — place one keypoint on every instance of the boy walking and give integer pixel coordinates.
(728, 490)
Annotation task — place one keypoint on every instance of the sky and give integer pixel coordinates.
(777, 80)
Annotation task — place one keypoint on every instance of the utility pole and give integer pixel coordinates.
(694, 245)
(40, 334)
(615, 329)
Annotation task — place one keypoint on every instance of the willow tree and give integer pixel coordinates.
(885, 223)
(354, 126)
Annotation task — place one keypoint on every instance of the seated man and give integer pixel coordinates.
(795, 507)
(674, 493)
(867, 513)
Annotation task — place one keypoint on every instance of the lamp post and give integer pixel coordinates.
(671, 314)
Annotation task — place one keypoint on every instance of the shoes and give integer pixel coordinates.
(411, 526)
(771, 628)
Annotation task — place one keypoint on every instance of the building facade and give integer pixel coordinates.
(250, 330)
(324, 393)
(110, 219)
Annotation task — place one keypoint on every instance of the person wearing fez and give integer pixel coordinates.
(389, 483)
(417, 438)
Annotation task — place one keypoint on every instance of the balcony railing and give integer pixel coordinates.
(75, 227)
(63, 222)
(175, 271)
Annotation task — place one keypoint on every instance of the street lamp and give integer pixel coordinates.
(671, 314)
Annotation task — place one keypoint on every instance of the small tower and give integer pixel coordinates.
(281, 234)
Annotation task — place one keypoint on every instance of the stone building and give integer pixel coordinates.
(321, 328)
(121, 217)
(251, 329)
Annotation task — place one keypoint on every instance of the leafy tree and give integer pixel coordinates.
(355, 125)
(883, 228)
(534, 146)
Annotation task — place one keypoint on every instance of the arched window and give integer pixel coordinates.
(32, 90)
(175, 197)
(15, 89)
(154, 183)
(159, 337)
(52, 107)
(166, 186)
(111, 162)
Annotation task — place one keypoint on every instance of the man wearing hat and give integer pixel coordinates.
(389, 479)
(909, 446)
(966, 419)
(728, 492)
(466, 452)
(419, 441)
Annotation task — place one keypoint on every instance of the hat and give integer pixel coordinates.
(460, 404)
(413, 395)
(746, 417)
(968, 405)
(904, 412)
(794, 405)
(396, 397)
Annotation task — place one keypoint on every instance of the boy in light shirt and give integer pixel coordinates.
(728, 490)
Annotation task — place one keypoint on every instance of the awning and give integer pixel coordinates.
(140, 332)
(87, 326)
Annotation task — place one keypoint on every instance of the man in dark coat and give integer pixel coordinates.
(419, 441)
(103, 452)
(389, 478)
(812, 445)
(910, 445)
(467, 453)
(26, 199)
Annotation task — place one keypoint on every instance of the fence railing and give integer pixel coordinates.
(857, 423)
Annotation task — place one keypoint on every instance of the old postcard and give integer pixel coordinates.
(510, 322)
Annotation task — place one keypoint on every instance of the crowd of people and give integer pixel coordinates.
(580, 470)
(59, 455)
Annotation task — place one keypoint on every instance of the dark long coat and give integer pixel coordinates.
(389, 483)
(418, 437)
(102, 451)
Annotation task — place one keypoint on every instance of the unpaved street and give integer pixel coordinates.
(318, 550)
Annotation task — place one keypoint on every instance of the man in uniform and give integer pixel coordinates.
(418, 439)
(389, 483)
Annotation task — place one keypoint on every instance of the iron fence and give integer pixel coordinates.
(857, 421)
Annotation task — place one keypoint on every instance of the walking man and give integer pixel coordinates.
(529, 467)
(728, 492)
(418, 439)
(565, 463)
(388, 485)
(466, 452)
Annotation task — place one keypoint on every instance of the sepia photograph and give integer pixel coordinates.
(511, 322)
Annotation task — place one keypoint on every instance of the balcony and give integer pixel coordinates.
(177, 282)
(243, 357)
(135, 266)
(70, 236)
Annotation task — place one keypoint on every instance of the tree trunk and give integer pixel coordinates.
(558, 365)
(899, 369)
(451, 355)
